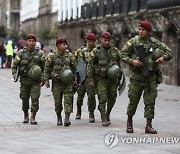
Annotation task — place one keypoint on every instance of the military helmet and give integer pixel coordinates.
(35, 72)
(158, 53)
(114, 72)
(66, 76)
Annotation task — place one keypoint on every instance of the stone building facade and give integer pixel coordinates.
(10, 14)
(121, 18)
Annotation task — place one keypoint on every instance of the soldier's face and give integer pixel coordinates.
(31, 43)
(143, 33)
(91, 43)
(105, 42)
(62, 47)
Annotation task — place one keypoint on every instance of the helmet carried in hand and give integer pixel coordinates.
(114, 72)
(66, 76)
(35, 73)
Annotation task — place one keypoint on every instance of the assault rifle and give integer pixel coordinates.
(142, 55)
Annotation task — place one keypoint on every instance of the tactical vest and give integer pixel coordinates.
(59, 65)
(104, 60)
(26, 62)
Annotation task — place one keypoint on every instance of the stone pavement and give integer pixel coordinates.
(82, 137)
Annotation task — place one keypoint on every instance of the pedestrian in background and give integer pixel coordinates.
(44, 49)
(9, 54)
(140, 53)
(3, 55)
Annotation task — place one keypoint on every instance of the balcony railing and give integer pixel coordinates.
(104, 8)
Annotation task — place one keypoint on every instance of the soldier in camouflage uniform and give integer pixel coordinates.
(138, 79)
(31, 63)
(60, 67)
(83, 53)
(100, 61)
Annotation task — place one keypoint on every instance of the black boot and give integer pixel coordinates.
(129, 128)
(91, 117)
(59, 119)
(104, 119)
(26, 117)
(66, 120)
(33, 120)
(149, 129)
(78, 115)
(108, 117)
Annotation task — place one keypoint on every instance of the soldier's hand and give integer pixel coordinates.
(47, 84)
(92, 84)
(160, 60)
(14, 76)
(42, 82)
(137, 63)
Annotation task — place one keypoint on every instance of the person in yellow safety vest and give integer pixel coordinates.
(9, 54)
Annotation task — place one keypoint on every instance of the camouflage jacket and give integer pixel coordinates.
(129, 53)
(56, 63)
(23, 60)
(100, 60)
(83, 53)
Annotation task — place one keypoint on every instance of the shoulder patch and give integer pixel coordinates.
(129, 44)
(48, 59)
(17, 59)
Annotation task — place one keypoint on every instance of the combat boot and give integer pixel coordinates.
(66, 120)
(129, 128)
(91, 117)
(26, 117)
(104, 119)
(33, 120)
(108, 117)
(59, 119)
(149, 129)
(78, 115)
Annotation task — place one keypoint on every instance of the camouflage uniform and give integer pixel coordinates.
(101, 59)
(84, 53)
(136, 75)
(54, 66)
(29, 87)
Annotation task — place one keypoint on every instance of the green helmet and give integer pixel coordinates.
(66, 76)
(114, 72)
(158, 53)
(35, 72)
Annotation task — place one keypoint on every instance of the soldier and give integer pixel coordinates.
(29, 64)
(83, 54)
(102, 59)
(60, 67)
(139, 52)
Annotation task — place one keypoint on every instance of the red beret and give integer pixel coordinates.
(60, 40)
(106, 35)
(91, 36)
(146, 25)
(31, 36)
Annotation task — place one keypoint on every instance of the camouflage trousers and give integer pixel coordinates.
(59, 90)
(81, 91)
(135, 91)
(32, 91)
(107, 93)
